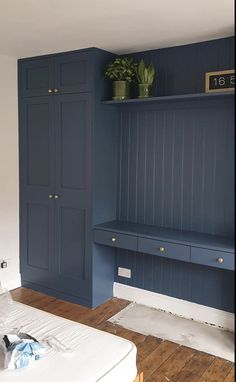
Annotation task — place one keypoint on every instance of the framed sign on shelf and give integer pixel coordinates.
(220, 81)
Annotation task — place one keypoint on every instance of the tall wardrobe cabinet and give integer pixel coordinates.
(68, 172)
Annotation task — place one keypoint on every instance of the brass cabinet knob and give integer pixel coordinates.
(113, 239)
(220, 260)
(56, 90)
(50, 196)
(162, 249)
(56, 196)
(50, 91)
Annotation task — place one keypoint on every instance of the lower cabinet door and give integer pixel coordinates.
(55, 250)
(72, 249)
(37, 242)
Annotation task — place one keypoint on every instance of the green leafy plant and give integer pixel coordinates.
(121, 69)
(145, 74)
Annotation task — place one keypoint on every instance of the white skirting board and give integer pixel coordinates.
(175, 306)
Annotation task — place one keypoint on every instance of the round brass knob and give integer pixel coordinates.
(113, 239)
(56, 196)
(162, 249)
(220, 260)
(56, 90)
(50, 91)
(50, 196)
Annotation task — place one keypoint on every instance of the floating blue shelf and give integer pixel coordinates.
(178, 97)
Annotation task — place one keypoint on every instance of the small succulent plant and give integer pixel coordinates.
(145, 74)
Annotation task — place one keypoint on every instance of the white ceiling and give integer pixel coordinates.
(34, 27)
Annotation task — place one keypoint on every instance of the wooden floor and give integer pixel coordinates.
(160, 361)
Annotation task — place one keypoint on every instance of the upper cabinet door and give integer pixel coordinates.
(73, 73)
(36, 77)
(37, 145)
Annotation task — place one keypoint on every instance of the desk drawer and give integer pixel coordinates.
(164, 249)
(117, 240)
(218, 259)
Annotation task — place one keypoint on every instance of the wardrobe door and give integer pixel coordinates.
(36, 77)
(72, 203)
(73, 72)
(37, 161)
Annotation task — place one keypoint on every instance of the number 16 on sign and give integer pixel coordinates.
(220, 81)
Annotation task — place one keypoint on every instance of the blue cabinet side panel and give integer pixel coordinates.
(104, 153)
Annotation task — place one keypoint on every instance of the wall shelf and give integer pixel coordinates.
(191, 247)
(202, 240)
(178, 97)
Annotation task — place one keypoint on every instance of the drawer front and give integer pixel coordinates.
(218, 259)
(116, 240)
(164, 249)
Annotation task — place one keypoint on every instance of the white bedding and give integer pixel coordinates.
(97, 356)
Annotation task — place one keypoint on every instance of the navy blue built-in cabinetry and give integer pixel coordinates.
(176, 179)
(142, 184)
(63, 73)
(63, 136)
(169, 243)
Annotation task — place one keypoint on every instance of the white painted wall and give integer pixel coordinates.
(9, 185)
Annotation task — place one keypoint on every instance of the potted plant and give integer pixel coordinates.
(145, 76)
(122, 72)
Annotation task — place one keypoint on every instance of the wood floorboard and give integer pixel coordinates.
(155, 359)
(217, 372)
(160, 361)
(172, 366)
(231, 376)
(33, 299)
(94, 317)
(65, 309)
(147, 347)
(194, 368)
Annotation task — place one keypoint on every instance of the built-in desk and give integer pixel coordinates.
(192, 247)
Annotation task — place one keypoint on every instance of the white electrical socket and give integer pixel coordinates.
(124, 272)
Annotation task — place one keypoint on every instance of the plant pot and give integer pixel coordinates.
(120, 90)
(144, 90)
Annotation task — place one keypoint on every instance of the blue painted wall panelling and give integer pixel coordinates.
(177, 170)
(181, 69)
(196, 283)
(176, 167)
